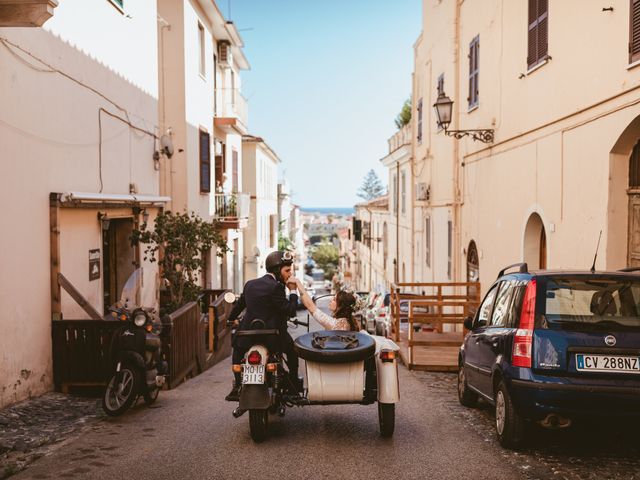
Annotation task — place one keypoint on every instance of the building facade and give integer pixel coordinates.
(260, 181)
(79, 143)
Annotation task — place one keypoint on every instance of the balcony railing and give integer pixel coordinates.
(400, 138)
(229, 207)
(231, 104)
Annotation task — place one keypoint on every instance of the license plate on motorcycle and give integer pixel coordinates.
(607, 363)
(252, 374)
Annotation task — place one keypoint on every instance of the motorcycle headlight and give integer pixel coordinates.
(140, 319)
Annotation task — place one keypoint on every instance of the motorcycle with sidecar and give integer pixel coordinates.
(341, 367)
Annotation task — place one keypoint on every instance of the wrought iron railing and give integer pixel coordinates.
(231, 206)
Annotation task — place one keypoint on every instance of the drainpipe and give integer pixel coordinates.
(457, 228)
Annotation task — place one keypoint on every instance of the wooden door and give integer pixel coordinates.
(633, 249)
(543, 250)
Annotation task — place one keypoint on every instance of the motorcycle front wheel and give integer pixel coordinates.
(120, 395)
(258, 421)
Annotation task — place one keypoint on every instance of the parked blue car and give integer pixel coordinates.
(549, 347)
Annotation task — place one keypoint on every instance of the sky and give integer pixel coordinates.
(327, 79)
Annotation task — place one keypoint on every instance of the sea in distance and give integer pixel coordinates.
(338, 211)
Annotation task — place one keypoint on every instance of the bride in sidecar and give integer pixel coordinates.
(336, 358)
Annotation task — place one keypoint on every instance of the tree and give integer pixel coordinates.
(326, 256)
(404, 117)
(178, 242)
(371, 186)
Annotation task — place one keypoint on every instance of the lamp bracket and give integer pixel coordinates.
(482, 135)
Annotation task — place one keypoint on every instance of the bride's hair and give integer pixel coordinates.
(345, 305)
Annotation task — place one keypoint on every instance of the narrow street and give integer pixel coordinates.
(190, 433)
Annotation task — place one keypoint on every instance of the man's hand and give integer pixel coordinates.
(291, 283)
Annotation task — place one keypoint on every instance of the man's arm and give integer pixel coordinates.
(237, 308)
(285, 308)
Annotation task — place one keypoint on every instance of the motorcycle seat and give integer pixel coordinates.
(335, 346)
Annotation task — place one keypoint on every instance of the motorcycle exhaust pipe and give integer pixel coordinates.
(238, 412)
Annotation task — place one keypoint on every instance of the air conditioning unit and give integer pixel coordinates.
(423, 192)
(224, 54)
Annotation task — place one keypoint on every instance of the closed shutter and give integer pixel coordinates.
(474, 71)
(234, 171)
(634, 31)
(538, 34)
(205, 162)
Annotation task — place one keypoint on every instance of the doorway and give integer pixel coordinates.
(119, 259)
(535, 243)
(633, 192)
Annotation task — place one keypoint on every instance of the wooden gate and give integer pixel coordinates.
(427, 325)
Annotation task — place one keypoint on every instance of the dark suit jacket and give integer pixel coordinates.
(265, 299)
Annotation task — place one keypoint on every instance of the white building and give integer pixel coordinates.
(260, 180)
(78, 130)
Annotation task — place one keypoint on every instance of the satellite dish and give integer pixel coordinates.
(166, 144)
(256, 251)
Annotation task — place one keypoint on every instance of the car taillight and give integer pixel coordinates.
(521, 356)
(254, 358)
(382, 314)
(387, 355)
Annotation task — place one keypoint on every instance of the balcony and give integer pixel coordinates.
(231, 110)
(231, 210)
(400, 138)
(26, 13)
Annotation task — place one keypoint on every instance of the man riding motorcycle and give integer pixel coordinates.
(265, 299)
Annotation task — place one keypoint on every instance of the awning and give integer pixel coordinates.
(78, 199)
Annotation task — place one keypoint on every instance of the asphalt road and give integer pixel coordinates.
(190, 433)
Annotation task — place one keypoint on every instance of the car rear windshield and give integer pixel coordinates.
(592, 302)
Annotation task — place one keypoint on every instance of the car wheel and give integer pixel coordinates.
(466, 396)
(510, 426)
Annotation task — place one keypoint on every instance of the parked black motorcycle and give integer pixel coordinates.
(135, 352)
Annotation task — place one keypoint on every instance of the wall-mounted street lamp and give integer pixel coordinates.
(444, 108)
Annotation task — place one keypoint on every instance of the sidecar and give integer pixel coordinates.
(348, 367)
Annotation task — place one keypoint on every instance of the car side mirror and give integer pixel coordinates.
(468, 323)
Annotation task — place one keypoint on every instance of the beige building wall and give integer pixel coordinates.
(55, 138)
(564, 132)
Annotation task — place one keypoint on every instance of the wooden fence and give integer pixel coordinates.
(437, 305)
(81, 352)
(194, 343)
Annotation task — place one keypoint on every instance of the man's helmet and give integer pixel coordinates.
(278, 259)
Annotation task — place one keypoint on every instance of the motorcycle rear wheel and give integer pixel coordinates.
(258, 421)
(118, 397)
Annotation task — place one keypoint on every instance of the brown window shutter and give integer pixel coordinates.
(474, 57)
(234, 171)
(205, 162)
(538, 32)
(543, 29)
(634, 31)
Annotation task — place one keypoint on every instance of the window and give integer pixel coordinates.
(220, 166)
(440, 91)
(273, 229)
(234, 170)
(201, 48)
(427, 241)
(394, 194)
(119, 4)
(403, 191)
(419, 109)
(449, 247)
(205, 162)
(538, 39)
(501, 310)
(474, 69)
(634, 31)
(484, 311)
